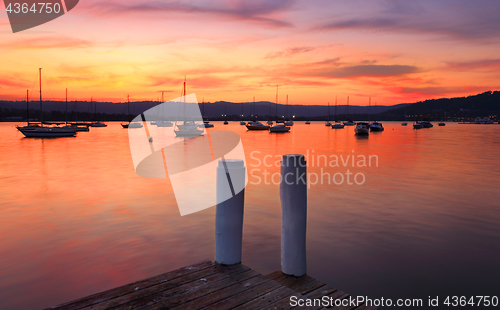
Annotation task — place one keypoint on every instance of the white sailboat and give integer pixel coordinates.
(284, 127)
(327, 123)
(189, 128)
(162, 122)
(130, 124)
(348, 122)
(287, 122)
(45, 132)
(96, 123)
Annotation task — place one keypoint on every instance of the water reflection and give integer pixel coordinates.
(75, 219)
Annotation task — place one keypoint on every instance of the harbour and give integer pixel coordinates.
(66, 245)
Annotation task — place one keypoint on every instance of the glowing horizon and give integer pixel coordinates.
(234, 50)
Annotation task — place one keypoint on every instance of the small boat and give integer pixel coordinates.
(348, 122)
(362, 128)
(279, 128)
(130, 124)
(308, 122)
(226, 122)
(417, 126)
(189, 128)
(441, 124)
(376, 126)
(207, 124)
(286, 122)
(327, 123)
(280, 121)
(337, 124)
(242, 123)
(269, 122)
(45, 132)
(97, 124)
(164, 124)
(426, 124)
(404, 123)
(256, 126)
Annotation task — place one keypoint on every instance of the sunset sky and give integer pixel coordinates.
(392, 51)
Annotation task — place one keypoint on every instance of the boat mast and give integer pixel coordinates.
(328, 111)
(276, 102)
(27, 108)
(128, 107)
(347, 109)
(41, 113)
(369, 105)
(335, 108)
(253, 106)
(286, 106)
(184, 105)
(66, 113)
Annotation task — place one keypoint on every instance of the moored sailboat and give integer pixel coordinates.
(45, 132)
(348, 122)
(130, 123)
(337, 124)
(188, 129)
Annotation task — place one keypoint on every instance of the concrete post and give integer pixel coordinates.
(229, 213)
(293, 194)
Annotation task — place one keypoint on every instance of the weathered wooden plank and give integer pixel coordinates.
(168, 301)
(210, 286)
(199, 278)
(275, 275)
(125, 289)
(244, 296)
(226, 292)
(191, 289)
(267, 299)
(307, 286)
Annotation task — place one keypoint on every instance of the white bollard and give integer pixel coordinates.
(293, 194)
(229, 213)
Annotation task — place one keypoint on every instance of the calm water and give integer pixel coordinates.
(75, 219)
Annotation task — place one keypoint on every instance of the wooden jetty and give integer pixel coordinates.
(212, 286)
